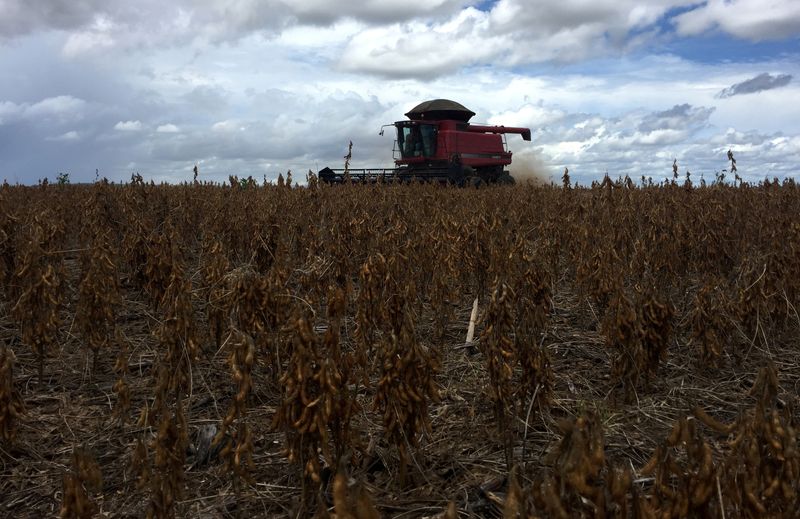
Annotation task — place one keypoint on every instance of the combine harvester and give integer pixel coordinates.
(438, 144)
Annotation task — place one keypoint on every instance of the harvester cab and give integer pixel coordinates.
(438, 144)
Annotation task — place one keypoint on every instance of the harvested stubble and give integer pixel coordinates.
(336, 277)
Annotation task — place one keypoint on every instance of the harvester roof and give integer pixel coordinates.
(438, 109)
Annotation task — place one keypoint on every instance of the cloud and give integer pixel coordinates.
(211, 99)
(227, 126)
(55, 109)
(324, 12)
(511, 33)
(398, 39)
(167, 128)
(759, 83)
(749, 19)
(128, 126)
(59, 106)
(97, 24)
(97, 38)
(71, 135)
(19, 17)
(528, 116)
(679, 117)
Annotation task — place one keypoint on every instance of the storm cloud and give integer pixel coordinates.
(759, 83)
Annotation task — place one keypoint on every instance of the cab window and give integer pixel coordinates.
(417, 140)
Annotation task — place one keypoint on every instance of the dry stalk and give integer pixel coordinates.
(122, 406)
(497, 344)
(98, 297)
(238, 452)
(37, 309)
(306, 408)
(11, 404)
(406, 384)
(84, 475)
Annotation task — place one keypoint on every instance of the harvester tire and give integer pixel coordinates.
(474, 182)
(506, 179)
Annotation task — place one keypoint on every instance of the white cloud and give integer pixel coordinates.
(400, 39)
(660, 137)
(511, 33)
(374, 11)
(96, 24)
(58, 109)
(55, 106)
(97, 38)
(227, 126)
(8, 111)
(317, 37)
(128, 126)
(417, 49)
(167, 128)
(750, 19)
(529, 115)
(71, 135)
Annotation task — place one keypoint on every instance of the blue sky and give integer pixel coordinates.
(259, 87)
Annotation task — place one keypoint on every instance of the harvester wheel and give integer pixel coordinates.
(456, 176)
(474, 182)
(506, 179)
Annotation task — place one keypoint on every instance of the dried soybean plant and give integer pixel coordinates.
(341, 374)
(762, 470)
(84, 475)
(160, 264)
(577, 461)
(140, 467)
(178, 333)
(238, 452)
(573, 484)
(497, 344)
(621, 330)
(166, 476)
(709, 322)
(122, 406)
(406, 384)
(39, 278)
(638, 335)
(98, 297)
(213, 271)
(534, 301)
(352, 503)
(578, 480)
(444, 273)
(655, 315)
(11, 404)
(7, 249)
(306, 408)
(370, 308)
(685, 474)
(134, 244)
(256, 306)
(596, 270)
(757, 302)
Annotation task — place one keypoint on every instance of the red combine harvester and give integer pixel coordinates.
(438, 144)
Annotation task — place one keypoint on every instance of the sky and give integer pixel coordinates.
(108, 88)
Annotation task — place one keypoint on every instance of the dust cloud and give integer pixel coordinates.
(529, 168)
